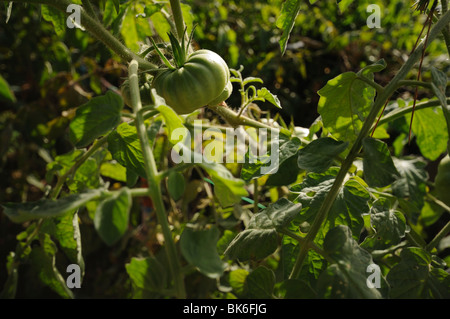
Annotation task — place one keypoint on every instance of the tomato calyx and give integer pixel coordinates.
(179, 50)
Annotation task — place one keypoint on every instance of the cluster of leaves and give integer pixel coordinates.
(239, 228)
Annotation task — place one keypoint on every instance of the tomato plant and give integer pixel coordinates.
(166, 174)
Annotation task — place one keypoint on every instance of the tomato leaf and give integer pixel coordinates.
(286, 21)
(347, 275)
(95, 118)
(125, 148)
(67, 231)
(439, 85)
(111, 216)
(389, 226)
(5, 90)
(379, 168)
(228, 189)
(147, 273)
(43, 263)
(430, 128)
(295, 289)
(269, 163)
(56, 17)
(176, 185)
(416, 276)
(320, 154)
(266, 95)
(259, 239)
(199, 247)
(260, 283)
(410, 188)
(344, 104)
(287, 164)
(44, 208)
(237, 281)
(348, 208)
(172, 120)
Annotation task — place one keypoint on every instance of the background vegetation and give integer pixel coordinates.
(51, 71)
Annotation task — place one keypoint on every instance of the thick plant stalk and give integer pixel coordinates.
(378, 104)
(178, 17)
(154, 182)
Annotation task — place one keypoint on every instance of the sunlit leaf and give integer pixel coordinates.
(95, 118)
(286, 21)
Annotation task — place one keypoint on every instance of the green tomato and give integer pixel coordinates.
(224, 95)
(442, 181)
(200, 81)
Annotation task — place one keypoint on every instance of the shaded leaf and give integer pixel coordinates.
(200, 250)
(66, 231)
(176, 185)
(347, 275)
(260, 283)
(410, 188)
(147, 273)
(111, 216)
(44, 208)
(389, 226)
(319, 155)
(415, 276)
(43, 261)
(379, 168)
(268, 163)
(347, 209)
(295, 289)
(286, 164)
(260, 238)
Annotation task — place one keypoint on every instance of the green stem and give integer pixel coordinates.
(61, 180)
(435, 241)
(178, 17)
(89, 9)
(414, 83)
(154, 182)
(235, 120)
(446, 31)
(346, 165)
(398, 113)
(97, 31)
(373, 84)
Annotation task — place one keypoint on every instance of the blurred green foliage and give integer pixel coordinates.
(51, 74)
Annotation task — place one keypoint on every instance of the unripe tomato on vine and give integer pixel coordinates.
(198, 79)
